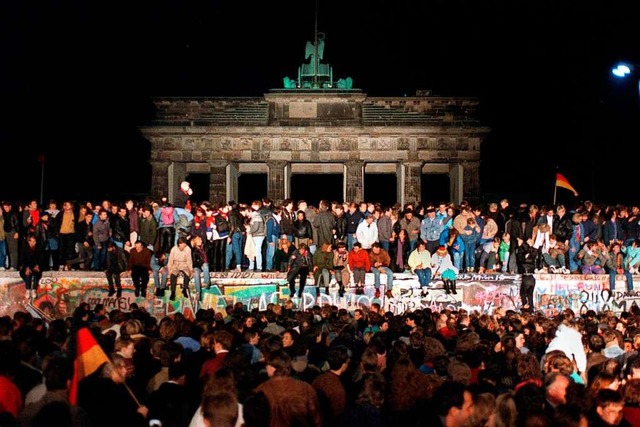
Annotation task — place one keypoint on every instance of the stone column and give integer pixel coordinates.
(412, 182)
(217, 182)
(233, 172)
(159, 179)
(276, 177)
(177, 172)
(354, 181)
(400, 184)
(471, 182)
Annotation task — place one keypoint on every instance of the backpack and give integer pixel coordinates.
(222, 225)
(166, 216)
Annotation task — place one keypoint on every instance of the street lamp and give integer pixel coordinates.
(623, 70)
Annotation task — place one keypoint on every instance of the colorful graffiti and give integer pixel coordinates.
(60, 293)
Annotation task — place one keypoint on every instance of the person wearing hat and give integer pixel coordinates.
(443, 267)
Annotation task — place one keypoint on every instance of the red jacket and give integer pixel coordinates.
(359, 259)
(211, 366)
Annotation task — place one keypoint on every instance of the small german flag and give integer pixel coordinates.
(561, 181)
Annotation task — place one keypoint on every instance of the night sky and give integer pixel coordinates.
(76, 78)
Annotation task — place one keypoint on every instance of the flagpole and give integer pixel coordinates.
(555, 190)
(41, 182)
(132, 395)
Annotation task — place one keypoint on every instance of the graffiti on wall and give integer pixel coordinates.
(59, 294)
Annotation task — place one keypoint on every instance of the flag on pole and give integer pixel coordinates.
(89, 357)
(561, 181)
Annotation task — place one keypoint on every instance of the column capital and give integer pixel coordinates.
(217, 163)
(413, 163)
(277, 163)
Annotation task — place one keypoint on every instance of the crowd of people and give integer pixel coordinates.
(321, 366)
(324, 366)
(339, 242)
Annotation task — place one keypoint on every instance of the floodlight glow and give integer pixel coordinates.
(621, 70)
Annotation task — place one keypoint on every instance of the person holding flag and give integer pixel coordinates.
(98, 386)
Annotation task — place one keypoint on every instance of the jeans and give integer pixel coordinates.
(100, 257)
(376, 276)
(3, 253)
(234, 249)
(457, 260)
(272, 245)
(204, 270)
(554, 262)
(505, 263)
(470, 258)
(351, 239)
(574, 264)
(612, 279)
(424, 276)
(257, 240)
(324, 278)
(159, 281)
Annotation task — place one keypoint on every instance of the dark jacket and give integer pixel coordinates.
(286, 223)
(120, 228)
(528, 258)
(353, 220)
(148, 230)
(116, 260)
(11, 222)
(302, 229)
(341, 227)
(563, 228)
(30, 258)
(281, 258)
(84, 232)
(298, 261)
(236, 222)
(199, 257)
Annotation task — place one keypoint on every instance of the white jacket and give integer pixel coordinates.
(367, 234)
(569, 341)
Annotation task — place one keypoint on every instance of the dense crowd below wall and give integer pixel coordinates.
(323, 365)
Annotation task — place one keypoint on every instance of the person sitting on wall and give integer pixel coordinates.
(420, 264)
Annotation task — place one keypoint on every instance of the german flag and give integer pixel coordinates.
(561, 181)
(89, 357)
